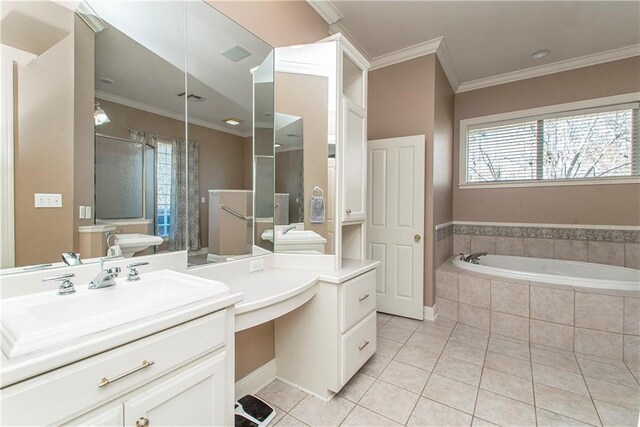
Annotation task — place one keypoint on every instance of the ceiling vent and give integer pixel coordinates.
(236, 53)
(192, 97)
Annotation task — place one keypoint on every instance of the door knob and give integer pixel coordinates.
(417, 237)
(349, 211)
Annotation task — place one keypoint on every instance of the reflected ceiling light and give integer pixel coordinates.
(99, 116)
(540, 53)
(297, 46)
(232, 121)
(278, 145)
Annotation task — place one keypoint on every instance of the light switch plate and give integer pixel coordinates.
(82, 212)
(47, 200)
(87, 212)
(256, 265)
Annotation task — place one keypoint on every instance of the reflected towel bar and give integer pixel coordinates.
(234, 213)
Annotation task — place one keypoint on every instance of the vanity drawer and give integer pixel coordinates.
(358, 299)
(75, 388)
(358, 345)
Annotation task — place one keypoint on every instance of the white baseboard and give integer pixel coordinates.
(323, 398)
(257, 379)
(430, 313)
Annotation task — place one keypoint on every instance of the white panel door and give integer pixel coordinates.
(395, 222)
(196, 397)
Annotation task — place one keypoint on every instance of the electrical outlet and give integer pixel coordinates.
(202, 200)
(256, 265)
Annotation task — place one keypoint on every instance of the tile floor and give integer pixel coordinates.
(446, 374)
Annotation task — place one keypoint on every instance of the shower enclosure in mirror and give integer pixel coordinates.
(100, 147)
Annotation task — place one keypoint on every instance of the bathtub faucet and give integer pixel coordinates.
(473, 258)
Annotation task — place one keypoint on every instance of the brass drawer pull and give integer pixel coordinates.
(142, 422)
(361, 347)
(363, 297)
(106, 381)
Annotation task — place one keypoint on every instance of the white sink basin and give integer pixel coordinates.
(135, 242)
(38, 321)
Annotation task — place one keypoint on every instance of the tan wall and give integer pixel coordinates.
(307, 97)
(254, 348)
(402, 103)
(221, 155)
(279, 23)
(84, 147)
(575, 204)
(44, 145)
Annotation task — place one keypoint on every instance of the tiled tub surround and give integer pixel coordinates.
(444, 242)
(590, 322)
(611, 246)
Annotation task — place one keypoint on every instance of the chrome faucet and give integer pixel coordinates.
(106, 277)
(66, 286)
(287, 229)
(473, 258)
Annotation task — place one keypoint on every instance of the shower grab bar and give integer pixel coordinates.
(234, 213)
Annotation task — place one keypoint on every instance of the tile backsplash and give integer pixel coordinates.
(611, 246)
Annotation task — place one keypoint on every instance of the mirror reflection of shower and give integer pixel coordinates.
(289, 176)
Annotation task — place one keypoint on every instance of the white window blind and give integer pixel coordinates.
(591, 144)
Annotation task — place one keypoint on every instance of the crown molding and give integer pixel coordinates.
(326, 10)
(340, 29)
(447, 65)
(166, 113)
(554, 67)
(407, 53)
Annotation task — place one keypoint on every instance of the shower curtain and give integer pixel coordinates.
(184, 231)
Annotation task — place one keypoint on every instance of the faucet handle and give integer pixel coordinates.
(133, 272)
(66, 286)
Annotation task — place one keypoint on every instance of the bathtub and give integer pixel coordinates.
(573, 273)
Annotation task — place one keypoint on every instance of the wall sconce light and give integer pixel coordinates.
(99, 116)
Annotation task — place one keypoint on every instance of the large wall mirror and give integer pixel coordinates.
(131, 128)
(305, 133)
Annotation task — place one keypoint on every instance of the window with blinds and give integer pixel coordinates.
(596, 143)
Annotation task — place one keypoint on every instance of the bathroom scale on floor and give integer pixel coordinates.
(253, 412)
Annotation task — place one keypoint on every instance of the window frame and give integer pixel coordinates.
(610, 103)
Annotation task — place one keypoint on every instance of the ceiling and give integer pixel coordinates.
(483, 39)
(147, 65)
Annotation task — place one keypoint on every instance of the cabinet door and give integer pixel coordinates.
(196, 396)
(111, 415)
(353, 161)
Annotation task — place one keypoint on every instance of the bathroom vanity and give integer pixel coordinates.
(173, 365)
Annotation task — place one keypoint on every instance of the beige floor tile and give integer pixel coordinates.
(356, 387)
(389, 401)
(289, 421)
(566, 403)
(551, 419)
(610, 373)
(507, 385)
(418, 357)
(508, 365)
(627, 397)
(459, 370)
(504, 411)
(279, 414)
(509, 348)
(479, 422)
(382, 319)
(316, 412)
(426, 342)
(615, 416)
(434, 329)
(405, 376)
(555, 359)
(363, 417)
(599, 343)
(405, 323)
(430, 413)
(559, 379)
(387, 348)
(443, 322)
(394, 332)
(375, 365)
(472, 337)
(464, 352)
(452, 393)
(282, 395)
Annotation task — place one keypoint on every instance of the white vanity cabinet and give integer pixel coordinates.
(321, 345)
(180, 376)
